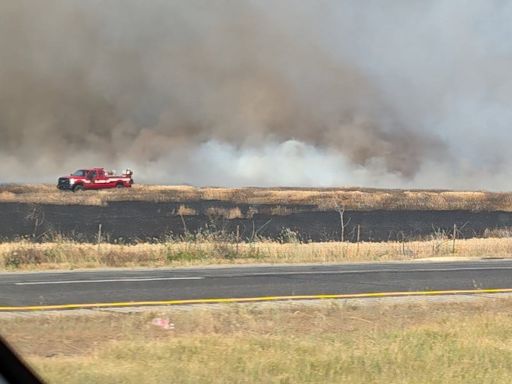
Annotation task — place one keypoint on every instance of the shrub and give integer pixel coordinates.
(187, 254)
(288, 235)
(23, 256)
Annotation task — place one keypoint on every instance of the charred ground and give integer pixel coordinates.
(153, 213)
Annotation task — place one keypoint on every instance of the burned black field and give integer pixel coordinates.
(133, 221)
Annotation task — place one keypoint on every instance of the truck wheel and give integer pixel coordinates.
(119, 186)
(78, 188)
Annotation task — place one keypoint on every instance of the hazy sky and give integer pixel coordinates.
(398, 93)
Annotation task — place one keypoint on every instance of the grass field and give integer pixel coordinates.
(324, 343)
(322, 198)
(26, 255)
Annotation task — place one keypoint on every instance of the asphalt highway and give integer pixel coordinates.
(151, 286)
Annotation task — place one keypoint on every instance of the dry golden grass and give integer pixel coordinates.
(319, 198)
(227, 213)
(26, 255)
(185, 211)
(324, 343)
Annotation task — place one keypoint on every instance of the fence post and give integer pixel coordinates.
(99, 237)
(454, 237)
(342, 213)
(237, 238)
(358, 238)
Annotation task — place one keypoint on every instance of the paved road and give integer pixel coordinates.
(113, 286)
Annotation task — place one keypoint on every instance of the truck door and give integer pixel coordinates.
(103, 180)
(92, 176)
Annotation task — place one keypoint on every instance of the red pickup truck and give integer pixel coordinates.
(95, 178)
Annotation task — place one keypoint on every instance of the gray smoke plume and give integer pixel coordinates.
(234, 92)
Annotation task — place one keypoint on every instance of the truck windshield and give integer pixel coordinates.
(80, 172)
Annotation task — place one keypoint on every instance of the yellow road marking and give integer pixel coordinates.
(252, 299)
